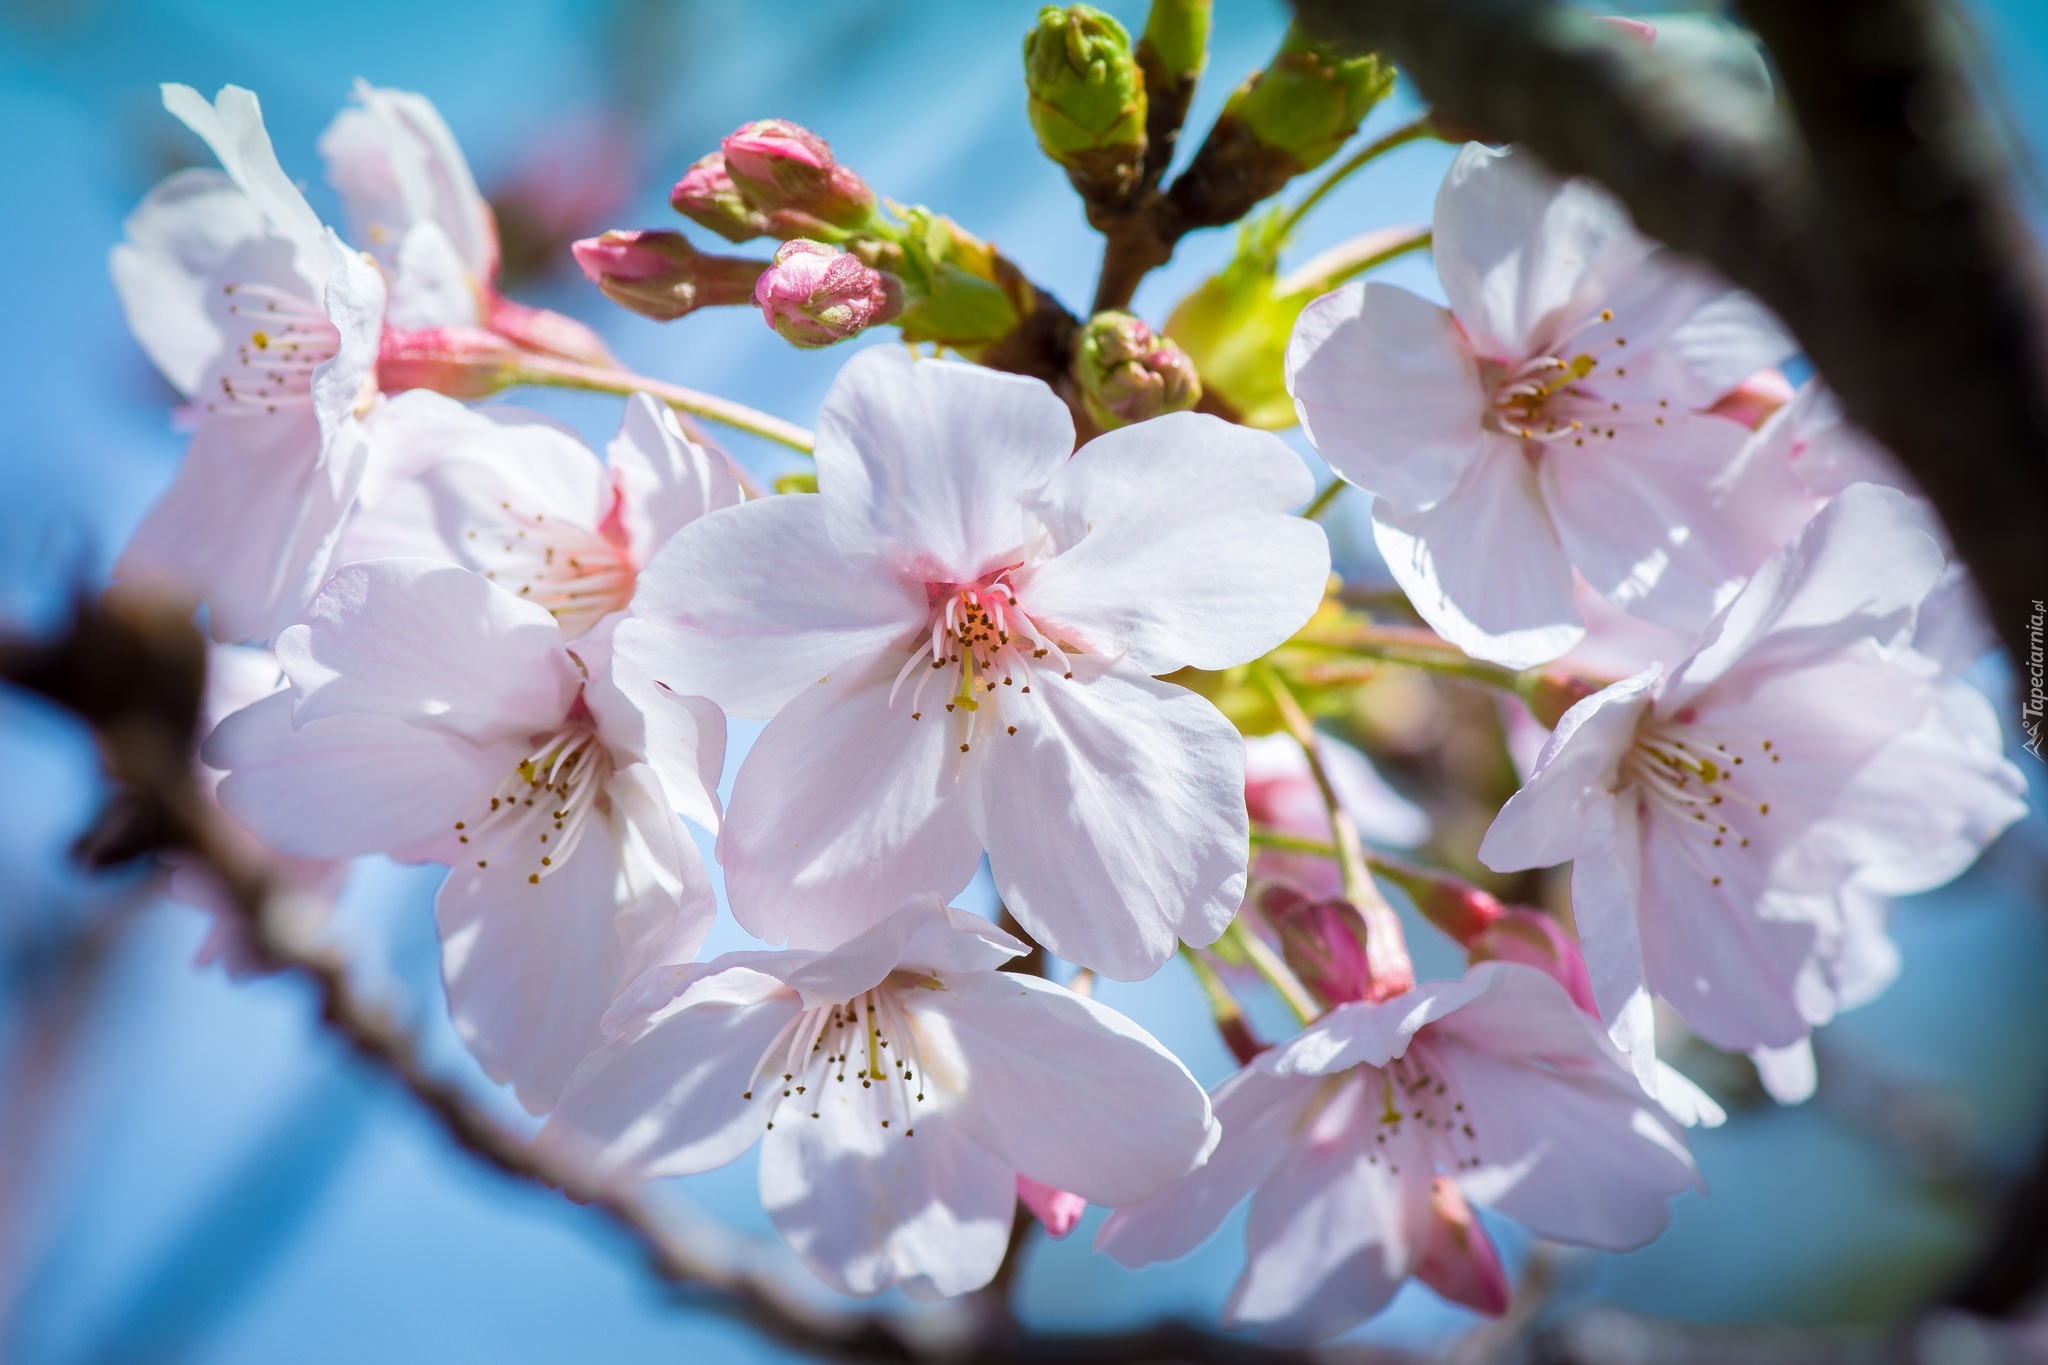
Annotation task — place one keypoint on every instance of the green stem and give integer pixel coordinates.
(567, 374)
(1228, 1015)
(1386, 947)
(1277, 973)
(1411, 648)
(1348, 260)
(1406, 133)
(1323, 499)
(1400, 872)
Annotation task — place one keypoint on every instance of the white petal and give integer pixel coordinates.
(430, 286)
(1190, 556)
(530, 965)
(431, 643)
(1857, 571)
(844, 809)
(1068, 1091)
(1523, 255)
(1669, 526)
(927, 462)
(1568, 1142)
(924, 936)
(1337, 1228)
(1919, 813)
(1543, 823)
(752, 604)
(353, 298)
(1707, 335)
(1114, 818)
(396, 166)
(1388, 392)
(1484, 566)
(1788, 1073)
(666, 1099)
(682, 739)
(868, 1207)
(665, 480)
(192, 233)
(351, 784)
(1361, 1033)
(1607, 881)
(1260, 1114)
(244, 522)
(1739, 961)
(481, 467)
(232, 125)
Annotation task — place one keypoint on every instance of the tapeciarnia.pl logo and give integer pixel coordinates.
(2037, 696)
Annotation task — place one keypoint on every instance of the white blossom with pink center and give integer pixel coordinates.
(1552, 418)
(900, 1087)
(958, 640)
(1495, 1084)
(1727, 817)
(525, 503)
(436, 717)
(269, 326)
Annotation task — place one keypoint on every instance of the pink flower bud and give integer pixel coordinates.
(660, 275)
(462, 362)
(1457, 907)
(779, 165)
(1459, 1260)
(1638, 29)
(1754, 400)
(1323, 941)
(1555, 693)
(1534, 939)
(1059, 1210)
(707, 197)
(815, 294)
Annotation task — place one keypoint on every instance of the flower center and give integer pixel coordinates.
(289, 337)
(980, 642)
(1555, 397)
(1701, 779)
(869, 1040)
(576, 573)
(538, 812)
(1418, 1089)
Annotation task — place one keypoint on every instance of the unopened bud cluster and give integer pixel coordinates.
(1128, 373)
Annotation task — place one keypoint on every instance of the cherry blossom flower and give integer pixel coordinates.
(1345, 1136)
(958, 638)
(1717, 812)
(413, 205)
(525, 503)
(1551, 419)
(304, 889)
(436, 717)
(259, 315)
(899, 1086)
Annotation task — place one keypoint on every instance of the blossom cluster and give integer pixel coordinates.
(453, 634)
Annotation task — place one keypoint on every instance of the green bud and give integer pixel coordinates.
(1087, 97)
(1310, 99)
(956, 288)
(1127, 373)
(1177, 31)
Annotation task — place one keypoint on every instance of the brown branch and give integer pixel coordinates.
(1880, 227)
